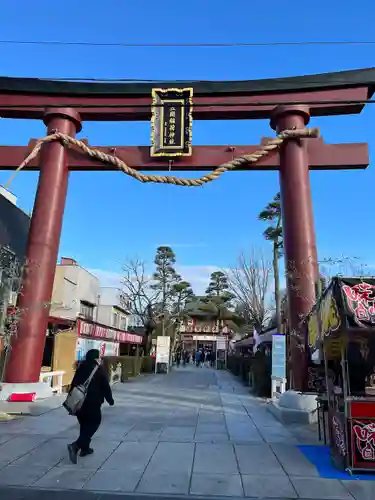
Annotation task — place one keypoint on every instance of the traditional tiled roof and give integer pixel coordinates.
(323, 81)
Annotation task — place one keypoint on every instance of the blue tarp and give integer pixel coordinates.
(321, 458)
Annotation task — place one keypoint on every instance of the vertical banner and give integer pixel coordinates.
(171, 122)
(278, 356)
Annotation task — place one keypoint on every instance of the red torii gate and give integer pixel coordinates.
(63, 106)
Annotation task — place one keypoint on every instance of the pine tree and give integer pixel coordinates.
(165, 276)
(182, 293)
(274, 233)
(219, 286)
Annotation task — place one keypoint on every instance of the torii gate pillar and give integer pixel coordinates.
(27, 346)
(301, 263)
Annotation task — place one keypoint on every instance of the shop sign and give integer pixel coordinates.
(188, 326)
(313, 328)
(105, 348)
(198, 326)
(338, 434)
(205, 338)
(360, 300)
(103, 332)
(363, 443)
(324, 320)
(329, 315)
(187, 338)
(171, 122)
(339, 449)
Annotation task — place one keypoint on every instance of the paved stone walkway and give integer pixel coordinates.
(194, 432)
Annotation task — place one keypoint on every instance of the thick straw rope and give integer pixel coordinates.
(271, 146)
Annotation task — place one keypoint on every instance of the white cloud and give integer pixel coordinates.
(107, 278)
(198, 276)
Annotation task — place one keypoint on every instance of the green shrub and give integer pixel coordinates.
(137, 364)
(130, 366)
(148, 364)
(261, 369)
(240, 366)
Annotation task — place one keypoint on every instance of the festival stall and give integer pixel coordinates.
(343, 324)
(69, 345)
(107, 340)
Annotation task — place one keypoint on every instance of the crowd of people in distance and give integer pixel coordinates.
(199, 357)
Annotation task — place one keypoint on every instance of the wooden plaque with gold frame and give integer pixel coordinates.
(171, 122)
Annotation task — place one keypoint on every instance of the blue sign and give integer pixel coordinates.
(278, 356)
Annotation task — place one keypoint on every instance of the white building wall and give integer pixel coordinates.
(112, 316)
(72, 285)
(104, 315)
(111, 304)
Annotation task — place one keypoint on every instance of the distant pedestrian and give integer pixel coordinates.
(201, 357)
(186, 357)
(207, 359)
(213, 358)
(198, 357)
(90, 415)
(178, 358)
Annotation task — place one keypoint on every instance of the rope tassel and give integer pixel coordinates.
(270, 146)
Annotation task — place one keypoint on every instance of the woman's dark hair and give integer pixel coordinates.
(92, 355)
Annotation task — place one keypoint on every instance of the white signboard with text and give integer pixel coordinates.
(221, 343)
(221, 351)
(205, 338)
(278, 356)
(163, 345)
(278, 377)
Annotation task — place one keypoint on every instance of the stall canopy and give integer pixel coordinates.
(347, 306)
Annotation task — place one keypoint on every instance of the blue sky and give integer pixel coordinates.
(109, 216)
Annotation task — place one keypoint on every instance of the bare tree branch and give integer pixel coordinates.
(345, 266)
(137, 294)
(249, 282)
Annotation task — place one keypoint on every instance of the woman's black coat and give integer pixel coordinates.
(99, 388)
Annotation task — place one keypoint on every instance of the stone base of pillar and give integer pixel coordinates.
(295, 408)
(41, 390)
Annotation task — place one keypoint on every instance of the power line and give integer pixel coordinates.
(187, 45)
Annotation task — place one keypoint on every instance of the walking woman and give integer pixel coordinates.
(90, 415)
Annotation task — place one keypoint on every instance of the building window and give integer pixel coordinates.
(115, 320)
(87, 310)
(123, 323)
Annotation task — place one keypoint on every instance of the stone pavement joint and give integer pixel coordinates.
(194, 433)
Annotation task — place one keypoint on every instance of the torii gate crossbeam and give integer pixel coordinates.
(287, 102)
(205, 158)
